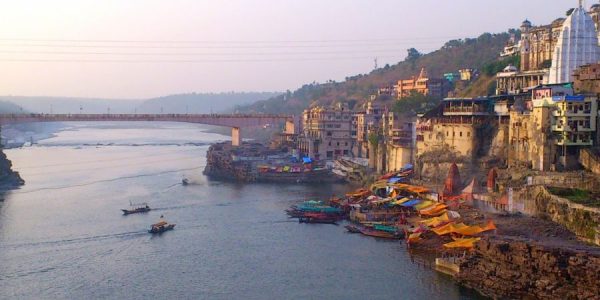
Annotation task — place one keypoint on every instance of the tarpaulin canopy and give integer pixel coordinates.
(411, 203)
(434, 210)
(306, 160)
(468, 243)
(400, 201)
(424, 204)
(407, 167)
(413, 237)
(476, 229)
(359, 193)
(464, 229)
(395, 180)
(436, 221)
(448, 228)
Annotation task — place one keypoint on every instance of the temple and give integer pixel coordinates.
(577, 45)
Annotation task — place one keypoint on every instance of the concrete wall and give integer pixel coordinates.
(457, 137)
(589, 160)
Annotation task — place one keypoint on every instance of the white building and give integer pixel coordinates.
(577, 45)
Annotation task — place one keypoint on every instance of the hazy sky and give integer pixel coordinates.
(147, 48)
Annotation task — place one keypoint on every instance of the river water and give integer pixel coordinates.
(62, 235)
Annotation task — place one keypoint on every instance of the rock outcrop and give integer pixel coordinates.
(8, 178)
(517, 269)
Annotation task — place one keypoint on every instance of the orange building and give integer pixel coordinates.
(422, 85)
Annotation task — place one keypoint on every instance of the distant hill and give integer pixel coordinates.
(202, 103)
(181, 103)
(10, 108)
(70, 105)
(454, 55)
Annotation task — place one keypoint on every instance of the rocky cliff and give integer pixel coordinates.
(8, 177)
(516, 269)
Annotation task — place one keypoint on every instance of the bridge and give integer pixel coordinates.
(235, 121)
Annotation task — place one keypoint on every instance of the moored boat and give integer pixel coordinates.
(317, 219)
(381, 234)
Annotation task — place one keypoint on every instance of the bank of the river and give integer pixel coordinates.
(497, 254)
(254, 162)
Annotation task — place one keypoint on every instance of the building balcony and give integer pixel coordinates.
(570, 113)
(465, 111)
(577, 142)
(567, 128)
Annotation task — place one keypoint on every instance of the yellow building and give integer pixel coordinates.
(453, 126)
(399, 142)
(421, 84)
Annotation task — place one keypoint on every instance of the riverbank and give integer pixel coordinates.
(500, 255)
(254, 162)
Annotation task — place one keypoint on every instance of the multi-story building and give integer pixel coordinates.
(422, 84)
(327, 133)
(399, 136)
(511, 81)
(586, 79)
(550, 131)
(388, 91)
(367, 122)
(453, 125)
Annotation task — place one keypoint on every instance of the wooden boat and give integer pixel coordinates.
(313, 219)
(136, 208)
(381, 234)
(161, 227)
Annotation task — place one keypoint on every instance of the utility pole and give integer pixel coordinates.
(375, 63)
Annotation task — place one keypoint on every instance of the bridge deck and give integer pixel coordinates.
(229, 120)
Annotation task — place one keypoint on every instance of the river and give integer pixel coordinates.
(62, 235)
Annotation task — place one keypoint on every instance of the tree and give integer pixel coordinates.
(414, 103)
(413, 54)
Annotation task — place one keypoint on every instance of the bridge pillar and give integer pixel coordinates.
(236, 138)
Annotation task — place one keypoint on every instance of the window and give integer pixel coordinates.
(346, 144)
(345, 152)
(329, 154)
(468, 134)
(328, 133)
(338, 144)
(460, 133)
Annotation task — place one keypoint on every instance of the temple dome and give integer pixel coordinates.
(577, 45)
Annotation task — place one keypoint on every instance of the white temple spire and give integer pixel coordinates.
(577, 45)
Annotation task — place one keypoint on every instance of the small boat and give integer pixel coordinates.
(161, 226)
(136, 208)
(352, 229)
(185, 181)
(381, 234)
(314, 219)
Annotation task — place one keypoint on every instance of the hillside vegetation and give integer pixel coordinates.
(474, 53)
